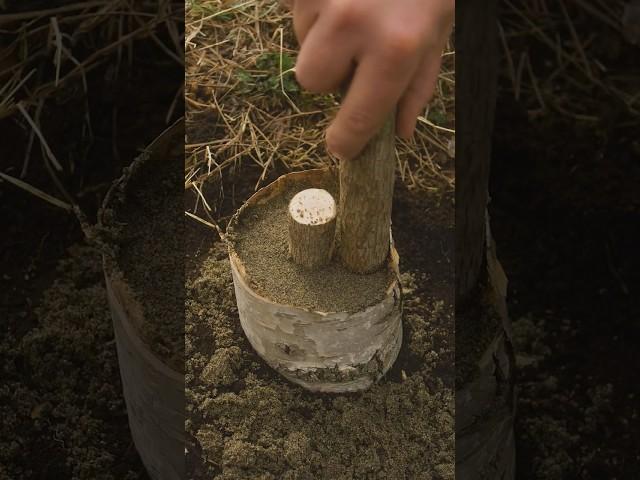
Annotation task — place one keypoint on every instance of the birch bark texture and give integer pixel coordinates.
(335, 351)
(366, 193)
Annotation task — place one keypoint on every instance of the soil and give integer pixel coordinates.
(151, 251)
(61, 404)
(261, 241)
(62, 414)
(565, 215)
(247, 422)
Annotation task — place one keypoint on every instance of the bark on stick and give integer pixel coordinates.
(366, 192)
(312, 222)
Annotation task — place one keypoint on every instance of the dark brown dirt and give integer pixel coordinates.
(62, 414)
(261, 241)
(61, 407)
(151, 252)
(246, 422)
(566, 210)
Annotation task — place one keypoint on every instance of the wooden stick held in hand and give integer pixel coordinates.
(366, 193)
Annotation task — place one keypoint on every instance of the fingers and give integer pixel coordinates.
(325, 59)
(305, 14)
(377, 85)
(418, 94)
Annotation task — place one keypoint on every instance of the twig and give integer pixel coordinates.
(576, 40)
(43, 142)
(16, 88)
(208, 224)
(433, 125)
(58, 55)
(16, 17)
(32, 136)
(37, 192)
(295, 107)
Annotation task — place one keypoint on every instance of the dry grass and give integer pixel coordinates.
(564, 58)
(46, 51)
(245, 107)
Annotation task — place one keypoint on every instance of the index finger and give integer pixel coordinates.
(377, 86)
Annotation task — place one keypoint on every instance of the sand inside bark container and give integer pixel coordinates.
(327, 329)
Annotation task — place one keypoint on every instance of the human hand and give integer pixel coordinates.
(389, 51)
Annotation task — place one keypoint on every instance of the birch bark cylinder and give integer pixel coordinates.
(312, 226)
(335, 351)
(366, 193)
(153, 391)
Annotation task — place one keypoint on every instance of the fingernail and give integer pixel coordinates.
(331, 147)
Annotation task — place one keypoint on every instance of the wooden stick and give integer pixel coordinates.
(366, 192)
(312, 222)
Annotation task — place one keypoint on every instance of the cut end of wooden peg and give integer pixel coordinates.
(313, 206)
(312, 220)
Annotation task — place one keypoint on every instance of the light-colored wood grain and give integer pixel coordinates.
(366, 194)
(312, 226)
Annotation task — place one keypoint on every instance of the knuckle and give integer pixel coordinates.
(398, 44)
(358, 122)
(347, 13)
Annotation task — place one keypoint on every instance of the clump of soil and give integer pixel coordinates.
(247, 422)
(261, 241)
(61, 405)
(151, 252)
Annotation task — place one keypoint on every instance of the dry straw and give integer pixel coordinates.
(46, 51)
(244, 106)
(578, 40)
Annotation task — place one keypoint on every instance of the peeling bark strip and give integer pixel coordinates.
(312, 226)
(366, 192)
